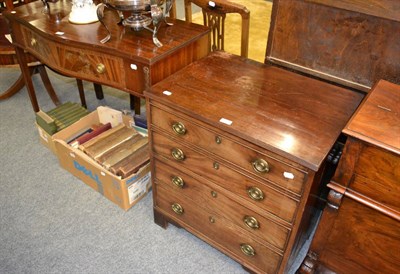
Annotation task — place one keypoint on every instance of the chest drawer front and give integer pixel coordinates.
(252, 191)
(208, 196)
(79, 63)
(217, 230)
(255, 160)
(377, 175)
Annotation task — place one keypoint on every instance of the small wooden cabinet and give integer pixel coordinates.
(237, 150)
(359, 231)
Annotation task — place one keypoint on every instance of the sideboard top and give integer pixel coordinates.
(276, 109)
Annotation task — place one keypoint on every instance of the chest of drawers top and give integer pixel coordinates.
(294, 116)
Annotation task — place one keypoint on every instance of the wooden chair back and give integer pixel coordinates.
(214, 14)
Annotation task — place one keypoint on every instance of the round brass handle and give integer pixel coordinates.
(179, 128)
(214, 194)
(178, 154)
(218, 140)
(177, 208)
(255, 193)
(33, 42)
(251, 222)
(260, 166)
(101, 68)
(178, 181)
(248, 250)
(216, 165)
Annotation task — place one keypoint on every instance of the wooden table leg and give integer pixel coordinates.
(27, 77)
(17, 86)
(47, 84)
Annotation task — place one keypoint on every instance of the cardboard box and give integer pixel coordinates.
(123, 192)
(46, 139)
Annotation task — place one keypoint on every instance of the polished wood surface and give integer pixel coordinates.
(214, 17)
(245, 184)
(350, 42)
(8, 57)
(290, 107)
(378, 121)
(360, 228)
(129, 61)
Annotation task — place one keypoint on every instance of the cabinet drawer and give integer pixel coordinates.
(377, 175)
(260, 194)
(255, 160)
(217, 231)
(75, 62)
(212, 199)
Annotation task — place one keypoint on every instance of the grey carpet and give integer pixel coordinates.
(50, 222)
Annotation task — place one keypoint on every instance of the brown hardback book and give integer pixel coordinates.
(122, 151)
(101, 136)
(131, 164)
(104, 144)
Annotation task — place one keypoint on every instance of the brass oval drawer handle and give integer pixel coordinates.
(255, 193)
(251, 222)
(179, 128)
(101, 68)
(260, 166)
(248, 250)
(177, 154)
(177, 208)
(218, 140)
(33, 42)
(178, 181)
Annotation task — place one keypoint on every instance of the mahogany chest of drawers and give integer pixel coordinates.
(359, 231)
(237, 150)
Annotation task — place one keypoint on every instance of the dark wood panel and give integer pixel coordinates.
(351, 48)
(389, 9)
(358, 239)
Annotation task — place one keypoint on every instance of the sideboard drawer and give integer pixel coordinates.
(80, 63)
(260, 194)
(213, 199)
(225, 235)
(256, 160)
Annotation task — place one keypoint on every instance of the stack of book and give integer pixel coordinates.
(60, 117)
(121, 150)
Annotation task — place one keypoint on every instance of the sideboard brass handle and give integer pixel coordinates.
(101, 68)
(248, 250)
(177, 154)
(178, 181)
(251, 222)
(177, 208)
(218, 140)
(260, 166)
(255, 193)
(179, 128)
(33, 42)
